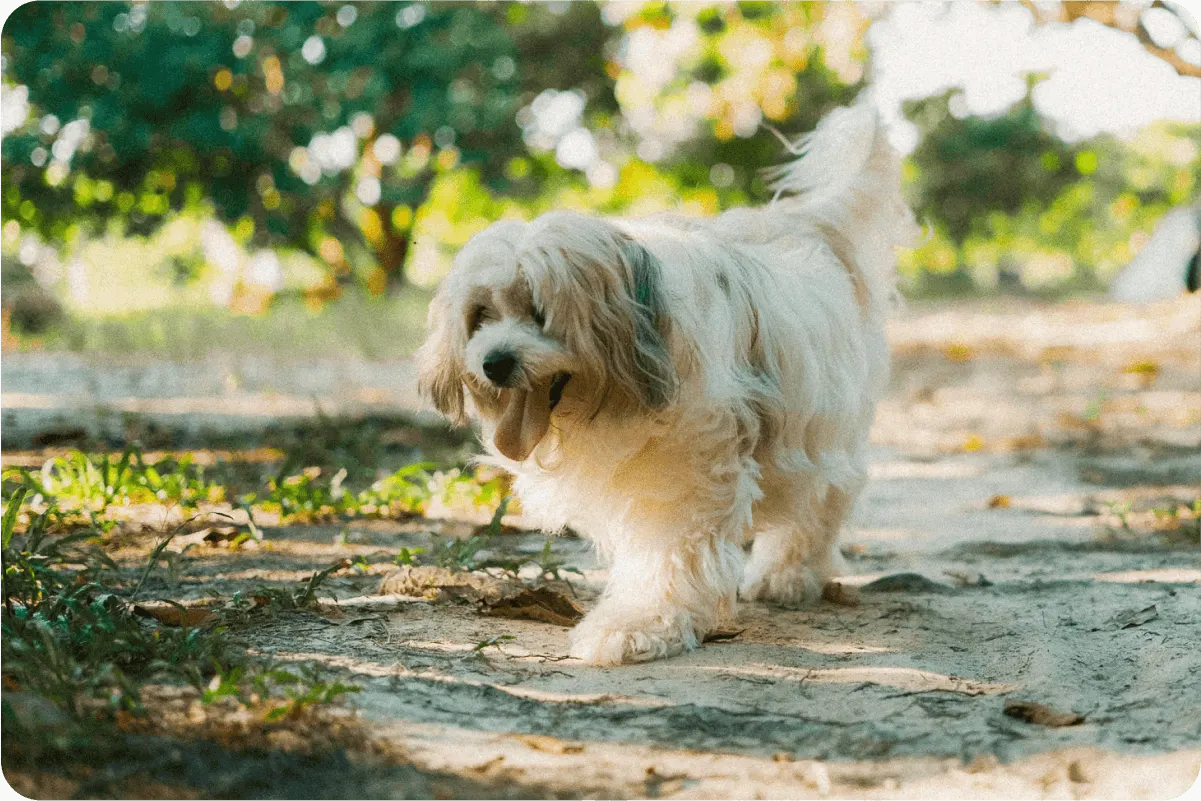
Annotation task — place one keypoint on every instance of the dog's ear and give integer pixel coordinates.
(439, 360)
(605, 291)
(654, 373)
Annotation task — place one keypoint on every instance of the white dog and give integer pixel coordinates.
(671, 387)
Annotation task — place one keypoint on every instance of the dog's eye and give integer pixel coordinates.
(479, 315)
(539, 318)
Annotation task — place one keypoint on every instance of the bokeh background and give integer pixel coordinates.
(293, 178)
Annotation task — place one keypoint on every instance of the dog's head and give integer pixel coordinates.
(555, 321)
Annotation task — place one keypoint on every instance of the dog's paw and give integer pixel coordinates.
(791, 586)
(602, 638)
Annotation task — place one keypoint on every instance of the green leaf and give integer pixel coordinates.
(11, 512)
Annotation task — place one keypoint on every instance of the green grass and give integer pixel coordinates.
(88, 636)
(70, 633)
(85, 483)
(324, 470)
(73, 632)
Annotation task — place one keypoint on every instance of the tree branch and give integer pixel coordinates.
(1106, 14)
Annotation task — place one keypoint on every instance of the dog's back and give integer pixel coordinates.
(844, 187)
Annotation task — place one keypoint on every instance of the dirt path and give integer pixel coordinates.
(901, 695)
(1017, 464)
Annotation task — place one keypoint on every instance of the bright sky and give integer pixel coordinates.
(1101, 80)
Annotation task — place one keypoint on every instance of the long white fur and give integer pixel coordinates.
(770, 345)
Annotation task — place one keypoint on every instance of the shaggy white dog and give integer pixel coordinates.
(672, 387)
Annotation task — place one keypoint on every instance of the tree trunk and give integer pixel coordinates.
(391, 252)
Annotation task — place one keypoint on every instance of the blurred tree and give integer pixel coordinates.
(1006, 200)
(698, 82)
(341, 128)
(319, 126)
(969, 166)
(26, 306)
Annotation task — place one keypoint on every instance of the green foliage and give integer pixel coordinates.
(71, 639)
(352, 132)
(465, 554)
(32, 310)
(407, 487)
(176, 325)
(80, 643)
(1007, 200)
(90, 484)
(302, 689)
(457, 554)
(93, 487)
(494, 641)
(10, 515)
(969, 167)
(188, 104)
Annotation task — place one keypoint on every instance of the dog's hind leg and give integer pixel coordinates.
(791, 561)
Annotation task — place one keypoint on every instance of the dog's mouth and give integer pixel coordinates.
(526, 417)
(556, 388)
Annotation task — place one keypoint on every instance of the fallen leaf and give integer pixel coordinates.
(967, 580)
(999, 502)
(836, 592)
(959, 352)
(1041, 714)
(982, 763)
(1135, 617)
(722, 634)
(175, 615)
(1025, 442)
(1147, 369)
(551, 745)
(905, 582)
(542, 604)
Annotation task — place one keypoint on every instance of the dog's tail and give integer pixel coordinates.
(847, 183)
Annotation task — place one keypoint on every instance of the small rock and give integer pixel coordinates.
(1041, 714)
(905, 582)
(35, 712)
(438, 583)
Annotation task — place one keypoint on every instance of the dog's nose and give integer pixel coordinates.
(499, 366)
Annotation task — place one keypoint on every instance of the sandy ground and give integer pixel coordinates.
(1017, 461)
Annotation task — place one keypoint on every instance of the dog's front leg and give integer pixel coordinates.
(665, 593)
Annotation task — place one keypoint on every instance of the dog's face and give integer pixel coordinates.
(548, 325)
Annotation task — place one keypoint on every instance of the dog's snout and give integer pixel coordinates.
(499, 366)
